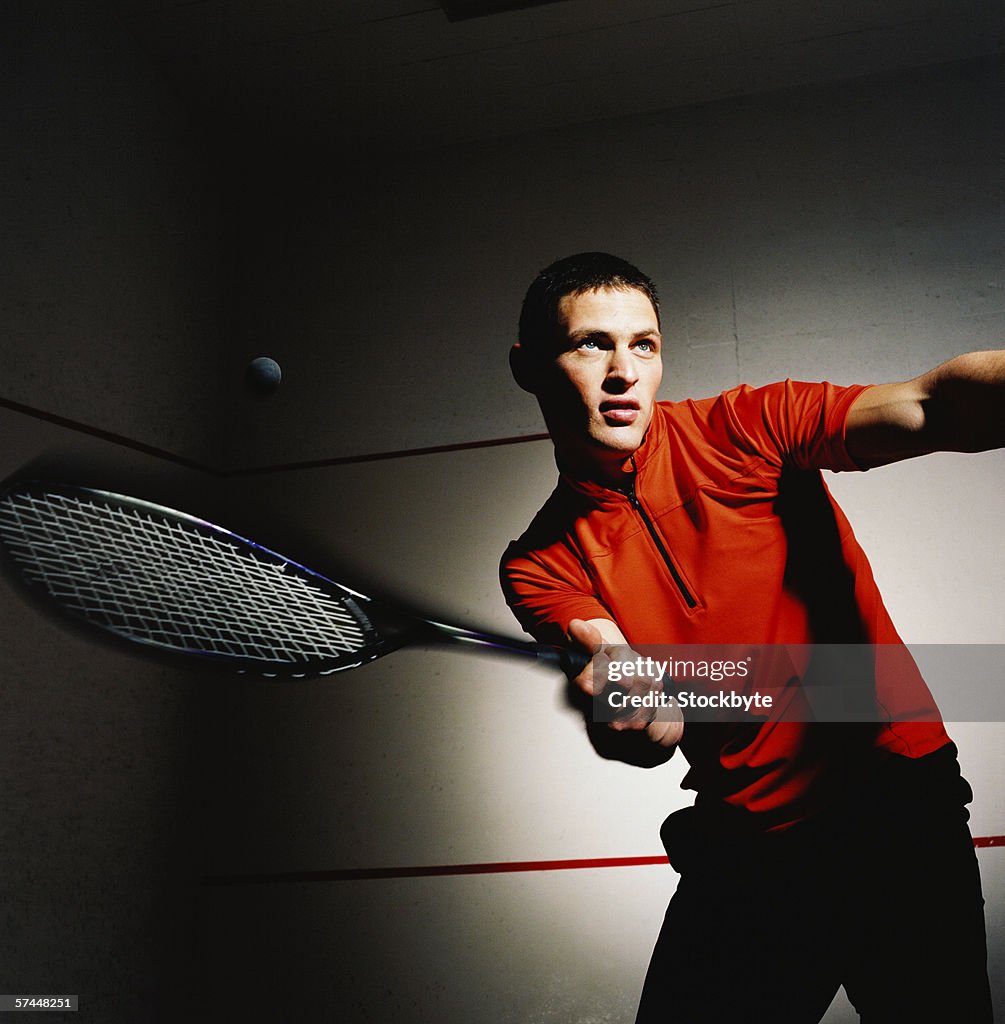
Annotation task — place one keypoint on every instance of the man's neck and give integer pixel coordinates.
(607, 468)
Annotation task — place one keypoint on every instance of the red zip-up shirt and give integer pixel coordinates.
(725, 533)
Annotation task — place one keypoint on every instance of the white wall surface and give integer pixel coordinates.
(108, 316)
(96, 807)
(430, 758)
(851, 232)
(111, 293)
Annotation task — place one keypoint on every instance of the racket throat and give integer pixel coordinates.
(570, 662)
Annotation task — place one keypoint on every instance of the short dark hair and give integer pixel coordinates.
(573, 275)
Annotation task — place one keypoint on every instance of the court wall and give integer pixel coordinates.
(850, 232)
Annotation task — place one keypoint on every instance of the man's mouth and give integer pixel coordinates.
(619, 412)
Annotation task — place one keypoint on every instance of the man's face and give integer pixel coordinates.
(599, 398)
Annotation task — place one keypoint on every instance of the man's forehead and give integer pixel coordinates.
(603, 309)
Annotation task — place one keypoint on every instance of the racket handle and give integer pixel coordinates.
(570, 662)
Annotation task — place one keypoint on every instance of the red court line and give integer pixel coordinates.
(426, 871)
(490, 868)
(980, 841)
(345, 460)
(106, 435)
(179, 460)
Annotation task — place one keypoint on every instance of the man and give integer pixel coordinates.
(817, 854)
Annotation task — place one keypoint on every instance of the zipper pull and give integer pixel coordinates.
(633, 498)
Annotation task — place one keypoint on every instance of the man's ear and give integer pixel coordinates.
(525, 370)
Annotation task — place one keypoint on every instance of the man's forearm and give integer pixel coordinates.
(965, 404)
(957, 407)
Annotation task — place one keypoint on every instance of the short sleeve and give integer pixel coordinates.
(546, 599)
(794, 423)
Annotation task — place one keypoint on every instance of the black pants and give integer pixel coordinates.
(882, 896)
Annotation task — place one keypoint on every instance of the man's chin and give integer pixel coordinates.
(618, 441)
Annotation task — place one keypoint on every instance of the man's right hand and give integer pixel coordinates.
(667, 727)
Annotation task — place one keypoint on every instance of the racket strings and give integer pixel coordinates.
(170, 583)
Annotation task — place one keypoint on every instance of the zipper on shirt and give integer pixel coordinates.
(633, 500)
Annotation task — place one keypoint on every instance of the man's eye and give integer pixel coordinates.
(590, 343)
(646, 345)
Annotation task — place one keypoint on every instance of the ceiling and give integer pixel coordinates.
(397, 74)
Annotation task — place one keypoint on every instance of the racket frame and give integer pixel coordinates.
(385, 628)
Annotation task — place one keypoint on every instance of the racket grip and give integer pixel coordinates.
(569, 661)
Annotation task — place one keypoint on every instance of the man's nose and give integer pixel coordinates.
(621, 368)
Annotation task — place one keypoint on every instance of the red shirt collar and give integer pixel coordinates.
(655, 438)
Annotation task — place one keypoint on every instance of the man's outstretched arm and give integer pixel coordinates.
(957, 407)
